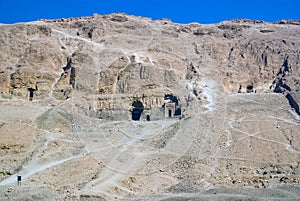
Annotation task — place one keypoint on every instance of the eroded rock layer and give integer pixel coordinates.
(141, 108)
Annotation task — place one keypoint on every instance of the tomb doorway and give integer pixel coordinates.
(137, 110)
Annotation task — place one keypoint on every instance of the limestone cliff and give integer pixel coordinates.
(128, 56)
(218, 106)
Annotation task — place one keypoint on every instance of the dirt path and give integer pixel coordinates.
(127, 154)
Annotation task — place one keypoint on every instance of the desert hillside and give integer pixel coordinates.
(119, 107)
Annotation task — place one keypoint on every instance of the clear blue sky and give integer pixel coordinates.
(185, 11)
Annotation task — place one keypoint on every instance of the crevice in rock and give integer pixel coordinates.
(285, 64)
(293, 103)
(279, 85)
(66, 82)
(69, 64)
(72, 77)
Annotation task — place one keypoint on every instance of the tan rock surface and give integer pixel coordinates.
(69, 89)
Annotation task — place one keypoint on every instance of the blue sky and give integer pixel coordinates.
(186, 11)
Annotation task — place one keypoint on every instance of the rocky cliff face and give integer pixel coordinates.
(70, 88)
(131, 56)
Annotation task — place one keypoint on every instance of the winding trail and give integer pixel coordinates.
(34, 166)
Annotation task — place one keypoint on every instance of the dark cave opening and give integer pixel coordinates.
(249, 89)
(137, 110)
(31, 93)
(170, 113)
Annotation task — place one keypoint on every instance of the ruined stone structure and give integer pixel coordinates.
(172, 106)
